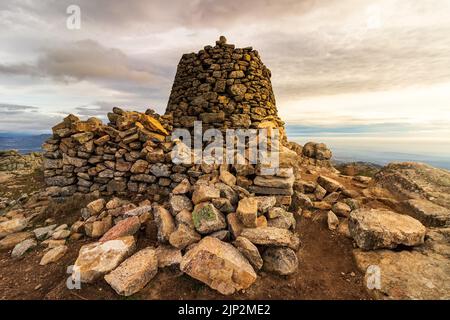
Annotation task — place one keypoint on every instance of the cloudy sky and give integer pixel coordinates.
(364, 66)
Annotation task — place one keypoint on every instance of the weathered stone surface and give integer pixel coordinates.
(126, 227)
(224, 205)
(96, 206)
(185, 217)
(219, 265)
(250, 251)
(183, 237)
(271, 191)
(406, 275)
(60, 234)
(168, 256)
(416, 181)
(341, 209)
(139, 166)
(165, 223)
(43, 232)
(329, 184)
(227, 178)
(204, 192)
(207, 218)
(234, 225)
(97, 228)
(381, 228)
(300, 201)
(97, 259)
(265, 203)
(160, 170)
(53, 255)
(332, 220)
(134, 273)
(180, 202)
(12, 226)
(283, 219)
(430, 214)
(274, 182)
(282, 261)
(13, 239)
(22, 247)
(247, 211)
(271, 236)
(320, 192)
(183, 187)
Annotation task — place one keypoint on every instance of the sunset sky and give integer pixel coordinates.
(340, 66)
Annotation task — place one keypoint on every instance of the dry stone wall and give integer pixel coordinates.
(131, 154)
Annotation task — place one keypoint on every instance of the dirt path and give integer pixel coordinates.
(326, 271)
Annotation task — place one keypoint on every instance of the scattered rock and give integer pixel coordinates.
(250, 251)
(12, 226)
(341, 209)
(134, 273)
(271, 236)
(329, 184)
(204, 192)
(96, 259)
(20, 249)
(381, 228)
(43, 232)
(183, 236)
(220, 265)
(53, 255)
(183, 187)
(12, 240)
(247, 211)
(126, 227)
(96, 206)
(168, 256)
(178, 203)
(227, 178)
(332, 220)
(207, 218)
(282, 261)
(165, 223)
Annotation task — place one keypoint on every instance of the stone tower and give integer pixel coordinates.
(224, 87)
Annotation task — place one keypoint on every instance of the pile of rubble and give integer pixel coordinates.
(215, 231)
(12, 160)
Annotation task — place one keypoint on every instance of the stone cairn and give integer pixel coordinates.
(220, 223)
(225, 88)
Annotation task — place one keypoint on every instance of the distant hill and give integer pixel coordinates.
(22, 142)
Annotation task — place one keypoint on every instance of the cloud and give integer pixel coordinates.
(22, 118)
(82, 60)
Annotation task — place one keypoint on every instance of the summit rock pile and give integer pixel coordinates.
(224, 87)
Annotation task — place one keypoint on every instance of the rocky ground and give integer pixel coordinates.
(339, 240)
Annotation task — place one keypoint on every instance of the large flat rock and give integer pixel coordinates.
(134, 273)
(405, 275)
(218, 264)
(381, 228)
(416, 181)
(98, 258)
(430, 214)
(271, 236)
